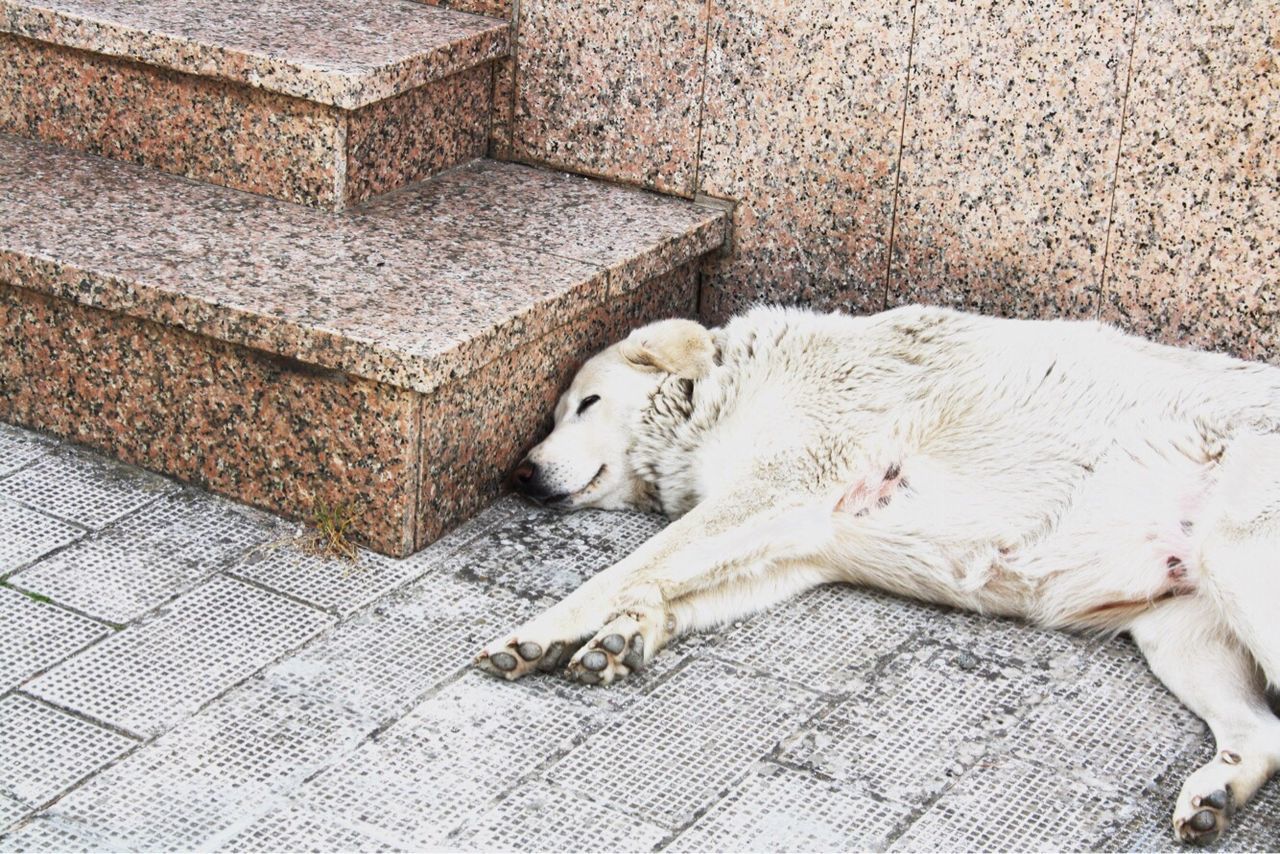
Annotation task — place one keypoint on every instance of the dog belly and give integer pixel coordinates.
(1057, 543)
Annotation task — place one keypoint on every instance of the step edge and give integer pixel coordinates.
(339, 352)
(351, 90)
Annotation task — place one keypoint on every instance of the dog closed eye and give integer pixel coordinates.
(587, 402)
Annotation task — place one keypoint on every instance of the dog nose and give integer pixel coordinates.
(524, 474)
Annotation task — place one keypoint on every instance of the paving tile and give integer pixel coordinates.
(676, 750)
(920, 721)
(150, 675)
(543, 817)
(36, 635)
(29, 534)
(301, 829)
(446, 760)
(1002, 806)
(42, 834)
(778, 809)
(1114, 721)
(826, 638)
(540, 552)
(1009, 640)
(213, 775)
(11, 812)
(84, 488)
(149, 557)
(380, 662)
(43, 751)
(333, 584)
(19, 447)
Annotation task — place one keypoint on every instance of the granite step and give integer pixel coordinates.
(396, 359)
(321, 102)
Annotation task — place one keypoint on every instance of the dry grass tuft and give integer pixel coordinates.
(327, 536)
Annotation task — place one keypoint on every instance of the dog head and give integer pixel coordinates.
(585, 461)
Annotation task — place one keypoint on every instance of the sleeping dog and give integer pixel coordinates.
(1060, 472)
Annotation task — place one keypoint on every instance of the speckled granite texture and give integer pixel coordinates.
(1012, 122)
(286, 357)
(416, 288)
(977, 145)
(237, 136)
(1195, 248)
(807, 146)
(277, 434)
(345, 53)
(611, 88)
(287, 436)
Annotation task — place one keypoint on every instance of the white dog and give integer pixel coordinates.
(1061, 472)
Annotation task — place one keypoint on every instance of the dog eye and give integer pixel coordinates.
(586, 403)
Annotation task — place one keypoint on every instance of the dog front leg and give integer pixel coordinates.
(626, 610)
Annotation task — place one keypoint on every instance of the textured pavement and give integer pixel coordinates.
(175, 675)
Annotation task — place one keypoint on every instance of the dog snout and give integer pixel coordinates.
(526, 481)
(524, 474)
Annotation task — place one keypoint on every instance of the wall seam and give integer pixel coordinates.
(897, 172)
(702, 105)
(1115, 170)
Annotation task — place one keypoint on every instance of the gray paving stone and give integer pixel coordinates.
(674, 751)
(343, 587)
(300, 829)
(43, 751)
(543, 817)
(1012, 805)
(825, 638)
(152, 674)
(381, 661)
(778, 809)
(216, 773)
(921, 721)
(36, 635)
(446, 760)
(1114, 721)
(147, 558)
(29, 534)
(41, 835)
(19, 447)
(541, 552)
(12, 811)
(84, 488)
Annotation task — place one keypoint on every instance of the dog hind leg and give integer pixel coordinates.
(1195, 654)
(1240, 549)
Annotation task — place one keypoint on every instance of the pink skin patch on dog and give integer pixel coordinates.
(865, 495)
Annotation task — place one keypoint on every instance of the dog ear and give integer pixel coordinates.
(680, 347)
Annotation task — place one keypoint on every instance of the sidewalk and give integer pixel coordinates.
(172, 676)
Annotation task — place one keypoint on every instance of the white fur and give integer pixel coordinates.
(1061, 472)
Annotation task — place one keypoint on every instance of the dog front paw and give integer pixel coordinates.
(515, 655)
(619, 649)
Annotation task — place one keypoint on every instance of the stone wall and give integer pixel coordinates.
(1118, 160)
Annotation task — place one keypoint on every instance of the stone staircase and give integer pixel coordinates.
(381, 322)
